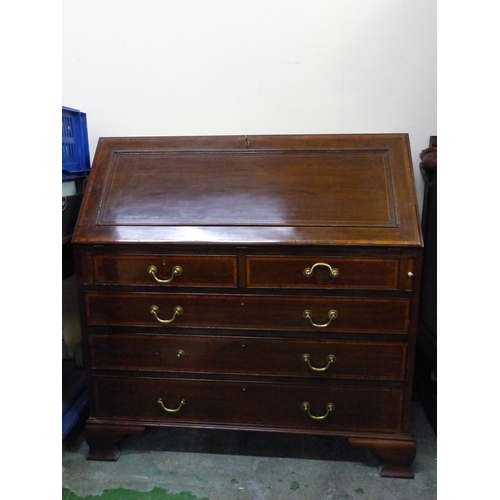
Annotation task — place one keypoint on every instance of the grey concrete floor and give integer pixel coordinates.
(220, 465)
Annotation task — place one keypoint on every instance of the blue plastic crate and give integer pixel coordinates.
(75, 145)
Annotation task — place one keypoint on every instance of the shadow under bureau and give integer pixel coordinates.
(264, 283)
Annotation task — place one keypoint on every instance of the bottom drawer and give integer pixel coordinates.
(249, 404)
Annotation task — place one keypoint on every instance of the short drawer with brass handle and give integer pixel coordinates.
(323, 272)
(308, 314)
(248, 356)
(249, 404)
(166, 270)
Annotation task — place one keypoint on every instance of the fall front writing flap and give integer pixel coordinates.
(326, 189)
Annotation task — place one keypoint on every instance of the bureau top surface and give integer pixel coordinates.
(307, 189)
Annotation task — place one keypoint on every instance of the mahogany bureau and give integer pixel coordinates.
(262, 283)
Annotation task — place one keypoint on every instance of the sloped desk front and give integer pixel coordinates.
(259, 283)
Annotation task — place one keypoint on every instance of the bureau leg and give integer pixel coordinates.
(397, 455)
(103, 440)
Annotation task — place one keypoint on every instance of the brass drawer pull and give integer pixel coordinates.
(168, 410)
(177, 312)
(307, 359)
(306, 406)
(176, 271)
(332, 314)
(334, 272)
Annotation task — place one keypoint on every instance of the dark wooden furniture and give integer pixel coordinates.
(264, 283)
(426, 358)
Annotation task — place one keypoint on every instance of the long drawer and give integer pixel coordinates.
(268, 405)
(249, 356)
(322, 272)
(372, 315)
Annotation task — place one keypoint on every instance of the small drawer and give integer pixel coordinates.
(166, 270)
(322, 272)
(308, 314)
(307, 407)
(248, 356)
